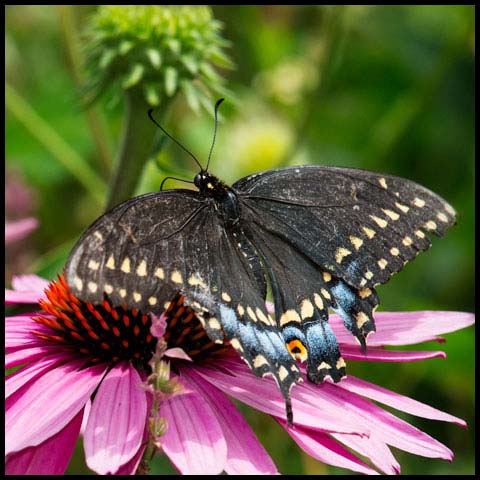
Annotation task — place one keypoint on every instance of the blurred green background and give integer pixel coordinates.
(386, 88)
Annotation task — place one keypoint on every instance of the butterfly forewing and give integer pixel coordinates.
(149, 249)
(359, 225)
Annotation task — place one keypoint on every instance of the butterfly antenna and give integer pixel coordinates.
(150, 112)
(215, 130)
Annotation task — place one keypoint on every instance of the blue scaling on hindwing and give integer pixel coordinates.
(356, 309)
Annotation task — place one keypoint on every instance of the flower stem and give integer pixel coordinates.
(136, 146)
(54, 143)
(95, 121)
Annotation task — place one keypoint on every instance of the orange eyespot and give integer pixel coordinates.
(297, 350)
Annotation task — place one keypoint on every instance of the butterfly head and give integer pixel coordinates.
(209, 184)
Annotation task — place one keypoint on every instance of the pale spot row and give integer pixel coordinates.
(341, 253)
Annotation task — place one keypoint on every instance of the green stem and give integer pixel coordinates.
(54, 143)
(137, 142)
(94, 120)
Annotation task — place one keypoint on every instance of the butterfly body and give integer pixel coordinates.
(319, 237)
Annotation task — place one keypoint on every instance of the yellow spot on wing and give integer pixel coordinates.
(407, 241)
(364, 292)
(341, 253)
(93, 265)
(394, 251)
(318, 301)
(306, 309)
(402, 207)
(379, 221)
(418, 202)
(325, 293)
(108, 289)
(430, 225)
(369, 232)
(282, 373)
(125, 265)
(442, 217)
(176, 277)
(326, 276)
(251, 314)
(382, 263)
(195, 280)
(152, 301)
(159, 273)
(390, 213)
(142, 269)
(259, 361)
(236, 344)
(92, 286)
(78, 283)
(226, 297)
(110, 263)
(383, 182)
(356, 242)
(361, 319)
(137, 296)
(289, 316)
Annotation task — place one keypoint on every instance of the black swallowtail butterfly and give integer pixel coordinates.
(320, 237)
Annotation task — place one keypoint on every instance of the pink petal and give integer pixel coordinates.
(264, 395)
(43, 407)
(159, 325)
(380, 355)
(29, 283)
(395, 400)
(245, 454)
(194, 441)
(177, 353)
(323, 448)
(26, 289)
(31, 296)
(130, 468)
(15, 230)
(50, 457)
(372, 448)
(116, 421)
(406, 328)
(23, 356)
(382, 424)
(19, 332)
(26, 374)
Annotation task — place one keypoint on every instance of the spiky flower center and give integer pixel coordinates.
(104, 333)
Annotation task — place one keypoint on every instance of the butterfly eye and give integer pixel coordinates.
(198, 180)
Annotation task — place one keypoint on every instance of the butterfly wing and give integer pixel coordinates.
(151, 248)
(328, 236)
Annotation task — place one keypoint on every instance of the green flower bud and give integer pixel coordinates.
(157, 50)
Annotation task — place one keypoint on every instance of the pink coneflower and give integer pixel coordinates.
(17, 229)
(90, 363)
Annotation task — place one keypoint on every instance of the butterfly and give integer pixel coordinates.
(316, 237)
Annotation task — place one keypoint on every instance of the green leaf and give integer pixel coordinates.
(125, 47)
(219, 58)
(151, 95)
(174, 45)
(190, 63)
(191, 95)
(134, 77)
(210, 74)
(107, 57)
(171, 81)
(155, 57)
